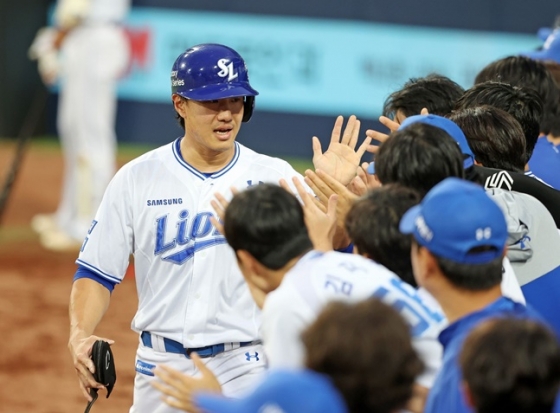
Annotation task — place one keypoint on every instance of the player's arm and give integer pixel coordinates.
(89, 301)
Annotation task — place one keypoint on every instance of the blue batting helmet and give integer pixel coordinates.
(210, 72)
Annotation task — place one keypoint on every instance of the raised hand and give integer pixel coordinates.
(220, 204)
(380, 136)
(325, 187)
(341, 159)
(319, 220)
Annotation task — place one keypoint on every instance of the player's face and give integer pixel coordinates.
(212, 126)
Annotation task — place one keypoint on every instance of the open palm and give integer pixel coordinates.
(341, 160)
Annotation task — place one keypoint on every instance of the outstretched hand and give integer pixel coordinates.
(220, 204)
(324, 186)
(179, 390)
(380, 136)
(391, 125)
(341, 159)
(319, 220)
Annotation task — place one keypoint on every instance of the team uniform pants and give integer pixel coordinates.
(238, 371)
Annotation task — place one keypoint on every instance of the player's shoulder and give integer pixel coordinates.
(158, 156)
(353, 262)
(263, 162)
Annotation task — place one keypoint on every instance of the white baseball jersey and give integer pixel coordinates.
(319, 278)
(157, 207)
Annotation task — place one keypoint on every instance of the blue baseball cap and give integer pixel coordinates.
(450, 127)
(455, 217)
(281, 392)
(550, 49)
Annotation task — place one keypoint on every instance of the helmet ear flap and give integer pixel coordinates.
(248, 107)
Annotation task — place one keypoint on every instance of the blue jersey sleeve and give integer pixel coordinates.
(83, 272)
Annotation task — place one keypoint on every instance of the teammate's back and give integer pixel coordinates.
(319, 278)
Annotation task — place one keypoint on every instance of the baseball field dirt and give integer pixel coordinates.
(36, 371)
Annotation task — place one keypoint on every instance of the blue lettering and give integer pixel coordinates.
(169, 201)
(338, 285)
(161, 246)
(184, 255)
(417, 322)
(93, 224)
(183, 232)
(411, 293)
(201, 225)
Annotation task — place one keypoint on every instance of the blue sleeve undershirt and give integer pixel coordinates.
(83, 272)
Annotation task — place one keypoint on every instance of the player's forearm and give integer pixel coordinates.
(88, 302)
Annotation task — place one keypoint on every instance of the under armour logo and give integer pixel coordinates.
(498, 180)
(249, 356)
(227, 70)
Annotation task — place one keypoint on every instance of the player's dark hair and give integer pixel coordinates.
(523, 103)
(551, 120)
(511, 365)
(365, 348)
(373, 226)
(526, 72)
(267, 221)
(419, 157)
(494, 136)
(470, 277)
(435, 92)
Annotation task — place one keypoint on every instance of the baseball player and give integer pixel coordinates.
(88, 50)
(192, 297)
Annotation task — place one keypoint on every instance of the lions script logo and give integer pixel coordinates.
(226, 70)
(179, 238)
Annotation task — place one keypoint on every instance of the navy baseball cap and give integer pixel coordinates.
(281, 392)
(450, 127)
(550, 49)
(455, 217)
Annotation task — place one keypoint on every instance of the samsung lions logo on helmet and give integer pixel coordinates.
(226, 70)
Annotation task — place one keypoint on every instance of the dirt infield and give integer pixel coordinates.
(36, 372)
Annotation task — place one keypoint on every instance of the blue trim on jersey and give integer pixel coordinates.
(348, 250)
(83, 272)
(186, 254)
(98, 271)
(230, 165)
(179, 156)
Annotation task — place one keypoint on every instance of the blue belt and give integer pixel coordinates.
(172, 346)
